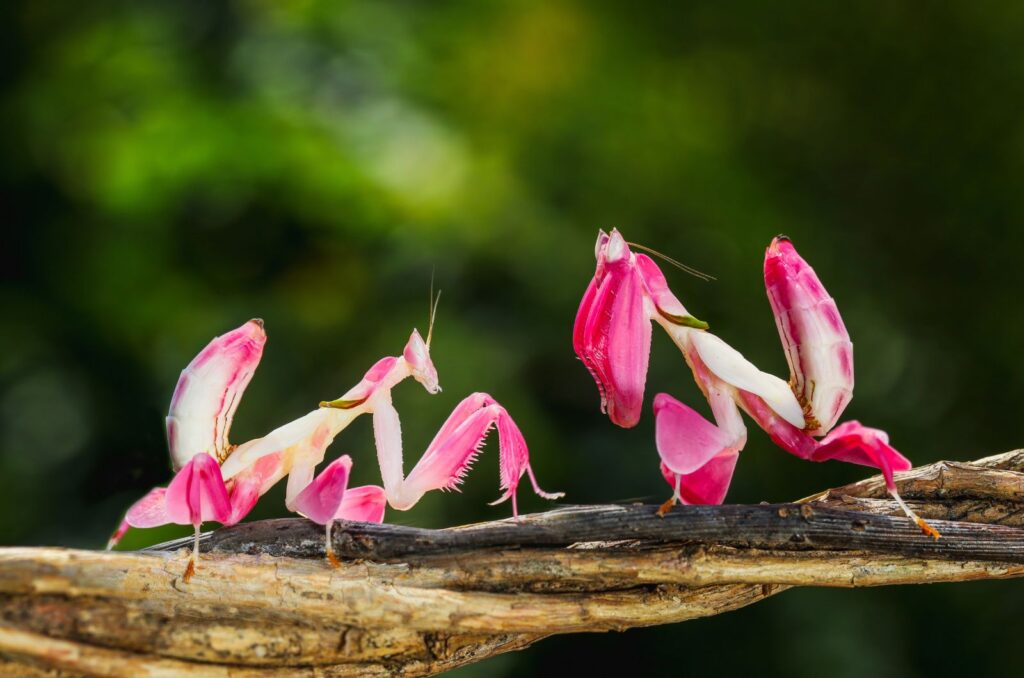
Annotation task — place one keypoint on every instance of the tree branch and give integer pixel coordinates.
(264, 602)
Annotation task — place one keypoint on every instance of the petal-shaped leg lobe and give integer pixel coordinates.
(249, 485)
(612, 333)
(857, 444)
(707, 485)
(851, 442)
(322, 498)
(209, 391)
(686, 441)
(197, 493)
(792, 439)
(150, 511)
(813, 334)
(364, 504)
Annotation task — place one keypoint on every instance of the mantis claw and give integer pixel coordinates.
(193, 559)
(331, 558)
(925, 528)
(667, 506)
(674, 499)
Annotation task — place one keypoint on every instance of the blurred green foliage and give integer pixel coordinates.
(172, 169)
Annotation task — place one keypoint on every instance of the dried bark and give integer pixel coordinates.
(416, 602)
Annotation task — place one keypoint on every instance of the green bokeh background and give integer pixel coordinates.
(171, 169)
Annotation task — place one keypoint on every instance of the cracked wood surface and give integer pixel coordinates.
(417, 602)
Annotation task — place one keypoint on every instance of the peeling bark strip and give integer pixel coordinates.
(416, 602)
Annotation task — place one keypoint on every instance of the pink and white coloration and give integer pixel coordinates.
(443, 465)
(328, 498)
(817, 345)
(612, 338)
(209, 391)
(198, 423)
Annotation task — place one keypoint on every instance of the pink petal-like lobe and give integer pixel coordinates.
(249, 485)
(322, 498)
(150, 511)
(364, 504)
(612, 332)
(857, 444)
(813, 334)
(792, 439)
(197, 493)
(710, 483)
(686, 441)
(208, 393)
(849, 442)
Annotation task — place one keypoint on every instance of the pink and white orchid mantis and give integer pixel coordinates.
(222, 482)
(198, 423)
(442, 466)
(612, 336)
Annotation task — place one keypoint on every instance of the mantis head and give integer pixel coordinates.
(417, 352)
(417, 355)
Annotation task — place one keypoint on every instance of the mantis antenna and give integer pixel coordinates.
(678, 264)
(434, 301)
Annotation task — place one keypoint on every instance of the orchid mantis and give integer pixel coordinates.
(443, 465)
(198, 423)
(218, 481)
(612, 336)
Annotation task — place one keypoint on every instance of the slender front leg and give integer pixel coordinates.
(451, 453)
(514, 461)
(447, 458)
(387, 434)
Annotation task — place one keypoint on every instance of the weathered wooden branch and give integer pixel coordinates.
(265, 603)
